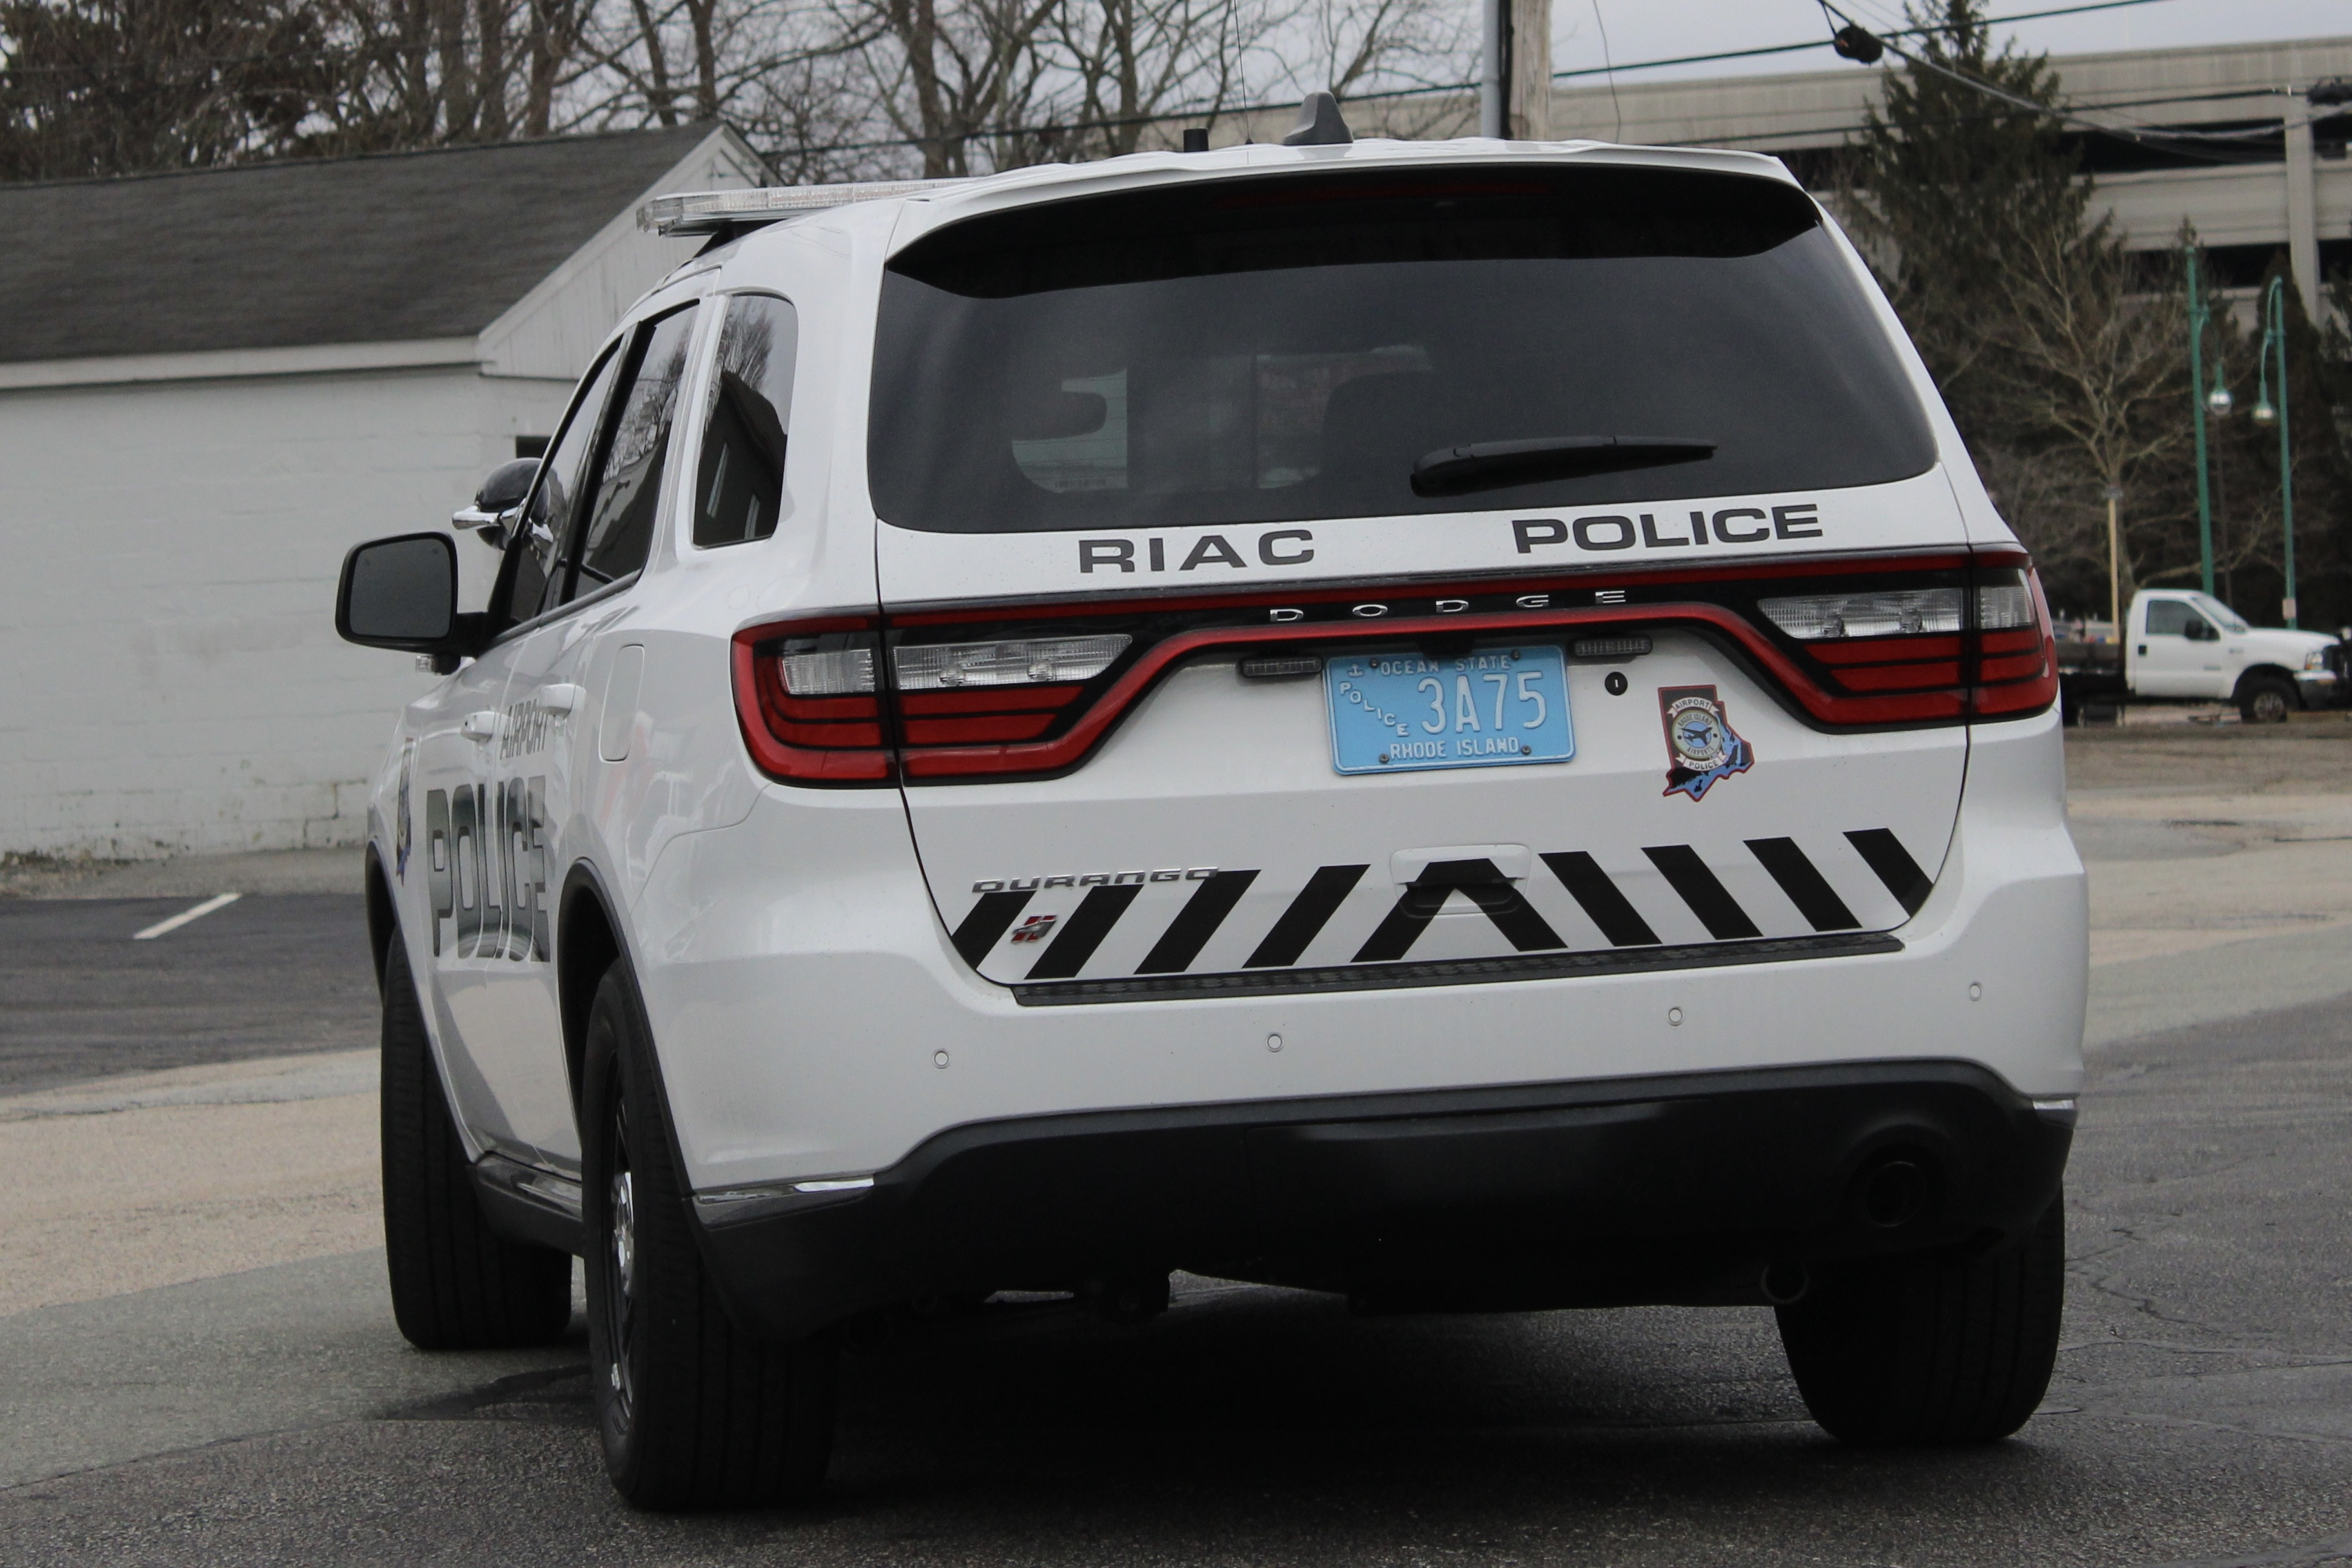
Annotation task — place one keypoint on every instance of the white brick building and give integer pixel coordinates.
(211, 385)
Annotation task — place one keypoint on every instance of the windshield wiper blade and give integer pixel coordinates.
(1496, 465)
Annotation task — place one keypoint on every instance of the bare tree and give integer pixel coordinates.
(946, 75)
(2090, 365)
(1135, 60)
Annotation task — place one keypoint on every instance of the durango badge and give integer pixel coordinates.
(1701, 746)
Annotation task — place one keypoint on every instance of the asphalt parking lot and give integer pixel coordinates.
(200, 1367)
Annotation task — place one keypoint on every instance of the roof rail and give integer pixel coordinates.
(708, 212)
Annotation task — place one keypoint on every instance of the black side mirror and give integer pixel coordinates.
(491, 517)
(402, 593)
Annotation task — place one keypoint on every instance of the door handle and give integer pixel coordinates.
(481, 726)
(560, 696)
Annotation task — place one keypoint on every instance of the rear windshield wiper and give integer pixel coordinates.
(1495, 465)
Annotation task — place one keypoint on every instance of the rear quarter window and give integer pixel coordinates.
(1286, 348)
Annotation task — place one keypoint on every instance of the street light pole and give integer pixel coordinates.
(2197, 415)
(2114, 493)
(2274, 332)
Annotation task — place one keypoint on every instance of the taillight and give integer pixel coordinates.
(1941, 652)
(807, 697)
(960, 694)
(2017, 662)
(1848, 643)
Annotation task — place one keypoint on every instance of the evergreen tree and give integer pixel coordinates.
(1951, 191)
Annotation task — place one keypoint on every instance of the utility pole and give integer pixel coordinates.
(2197, 415)
(1515, 85)
(2114, 493)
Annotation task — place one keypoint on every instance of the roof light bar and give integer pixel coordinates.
(705, 211)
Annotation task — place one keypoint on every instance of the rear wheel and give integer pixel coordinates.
(456, 1285)
(2265, 700)
(1931, 1350)
(694, 1413)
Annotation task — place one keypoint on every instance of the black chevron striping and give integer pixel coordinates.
(988, 921)
(1084, 932)
(1886, 856)
(1806, 886)
(1404, 922)
(1708, 898)
(1478, 881)
(1516, 917)
(1602, 903)
(1196, 922)
(1317, 902)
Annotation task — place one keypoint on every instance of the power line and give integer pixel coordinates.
(2062, 112)
(1824, 43)
(1212, 112)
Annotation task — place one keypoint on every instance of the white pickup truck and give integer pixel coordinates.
(2180, 645)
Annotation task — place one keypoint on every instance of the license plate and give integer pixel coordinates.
(1404, 711)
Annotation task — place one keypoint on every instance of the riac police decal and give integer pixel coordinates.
(1701, 745)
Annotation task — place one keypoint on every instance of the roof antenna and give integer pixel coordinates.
(1320, 124)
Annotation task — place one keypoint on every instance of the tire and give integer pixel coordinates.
(2266, 699)
(456, 1285)
(1912, 1351)
(694, 1414)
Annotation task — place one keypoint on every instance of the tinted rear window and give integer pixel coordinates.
(1280, 349)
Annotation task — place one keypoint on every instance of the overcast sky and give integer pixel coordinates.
(1658, 29)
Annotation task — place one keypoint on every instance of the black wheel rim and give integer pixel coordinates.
(620, 1271)
(2270, 707)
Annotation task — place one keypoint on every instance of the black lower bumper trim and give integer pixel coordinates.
(1673, 1188)
(1454, 971)
(523, 1204)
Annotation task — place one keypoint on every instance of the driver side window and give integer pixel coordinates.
(617, 529)
(537, 584)
(2168, 618)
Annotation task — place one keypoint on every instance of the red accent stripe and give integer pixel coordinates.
(1943, 673)
(985, 727)
(991, 699)
(2023, 681)
(1063, 750)
(1884, 650)
(828, 710)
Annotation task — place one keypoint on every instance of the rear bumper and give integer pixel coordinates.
(1678, 1189)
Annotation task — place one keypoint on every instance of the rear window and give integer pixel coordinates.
(1288, 348)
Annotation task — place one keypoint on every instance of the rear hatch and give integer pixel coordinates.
(1326, 580)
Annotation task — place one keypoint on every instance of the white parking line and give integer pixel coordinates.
(161, 928)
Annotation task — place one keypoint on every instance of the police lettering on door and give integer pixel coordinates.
(485, 869)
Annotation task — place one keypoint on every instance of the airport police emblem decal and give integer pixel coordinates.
(1701, 745)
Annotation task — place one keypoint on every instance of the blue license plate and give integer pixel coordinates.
(1403, 711)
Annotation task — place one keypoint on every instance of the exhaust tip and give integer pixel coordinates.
(1894, 1193)
(1785, 1284)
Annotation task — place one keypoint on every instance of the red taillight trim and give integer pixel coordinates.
(1879, 682)
(992, 699)
(1885, 650)
(804, 752)
(1065, 750)
(2017, 685)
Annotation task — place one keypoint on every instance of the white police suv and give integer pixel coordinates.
(1448, 722)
